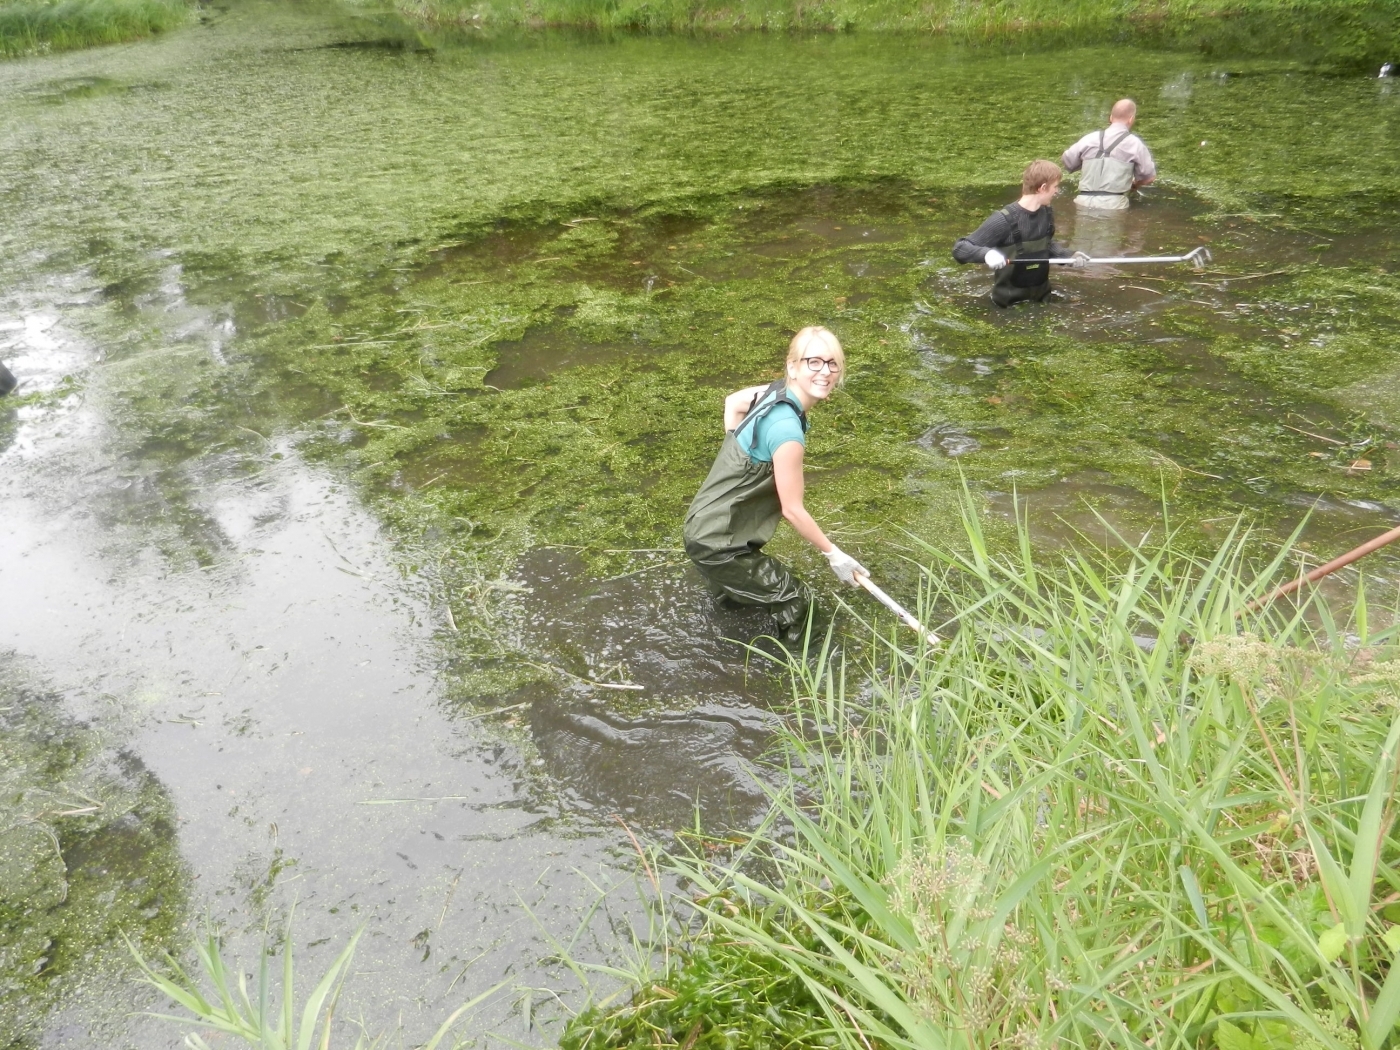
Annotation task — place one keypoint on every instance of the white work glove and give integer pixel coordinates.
(845, 566)
(995, 260)
(1079, 260)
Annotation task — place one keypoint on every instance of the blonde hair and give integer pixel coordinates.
(821, 340)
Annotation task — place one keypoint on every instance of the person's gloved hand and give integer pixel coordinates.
(994, 260)
(844, 566)
(1079, 260)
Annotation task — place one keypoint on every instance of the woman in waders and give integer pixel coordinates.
(1014, 238)
(757, 479)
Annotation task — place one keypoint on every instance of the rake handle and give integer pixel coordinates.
(1114, 260)
(894, 607)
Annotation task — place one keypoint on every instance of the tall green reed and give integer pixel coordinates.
(1114, 809)
(219, 999)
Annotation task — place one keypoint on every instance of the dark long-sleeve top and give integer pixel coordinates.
(1000, 232)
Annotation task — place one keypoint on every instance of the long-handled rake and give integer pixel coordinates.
(1197, 257)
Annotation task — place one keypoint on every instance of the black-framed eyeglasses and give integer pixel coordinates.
(816, 364)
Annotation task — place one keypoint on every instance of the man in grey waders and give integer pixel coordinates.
(1015, 241)
(756, 481)
(1114, 161)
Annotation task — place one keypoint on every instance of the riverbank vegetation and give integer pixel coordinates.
(1115, 808)
(36, 27)
(1357, 29)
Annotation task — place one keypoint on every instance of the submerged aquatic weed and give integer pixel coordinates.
(528, 385)
(1046, 833)
(562, 401)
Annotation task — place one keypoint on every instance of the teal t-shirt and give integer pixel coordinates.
(774, 430)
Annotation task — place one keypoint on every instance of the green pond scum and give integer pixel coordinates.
(89, 859)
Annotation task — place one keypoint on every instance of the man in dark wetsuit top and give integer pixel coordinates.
(1016, 240)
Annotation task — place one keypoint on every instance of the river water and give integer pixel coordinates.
(366, 378)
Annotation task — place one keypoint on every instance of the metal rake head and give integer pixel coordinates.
(1199, 258)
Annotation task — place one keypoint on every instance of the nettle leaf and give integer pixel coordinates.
(1232, 1037)
(1332, 942)
(1392, 938)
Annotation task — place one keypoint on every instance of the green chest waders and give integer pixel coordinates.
(734, 514)
(1105, 181)
(1019, 282)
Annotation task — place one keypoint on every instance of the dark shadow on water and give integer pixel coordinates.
(545, 352)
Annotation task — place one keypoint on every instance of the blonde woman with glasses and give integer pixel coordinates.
(756, 481)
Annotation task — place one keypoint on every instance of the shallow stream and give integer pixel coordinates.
(366, 379)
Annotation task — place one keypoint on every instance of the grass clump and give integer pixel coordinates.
(218, 998)
(36, 27)
(1114, 809)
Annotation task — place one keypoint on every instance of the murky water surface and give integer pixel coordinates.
(364, 388)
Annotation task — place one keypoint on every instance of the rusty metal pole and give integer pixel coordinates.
(1327, 569)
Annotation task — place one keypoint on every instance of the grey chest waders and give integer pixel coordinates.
(735, 513)
(1018, 282)
(1105, 181)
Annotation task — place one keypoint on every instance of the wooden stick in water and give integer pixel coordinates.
(894, 607)
(1327, 569)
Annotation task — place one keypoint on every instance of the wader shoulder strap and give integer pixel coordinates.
(1116, 142)
(777, 386)
(772, 387)
(1015, 227)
